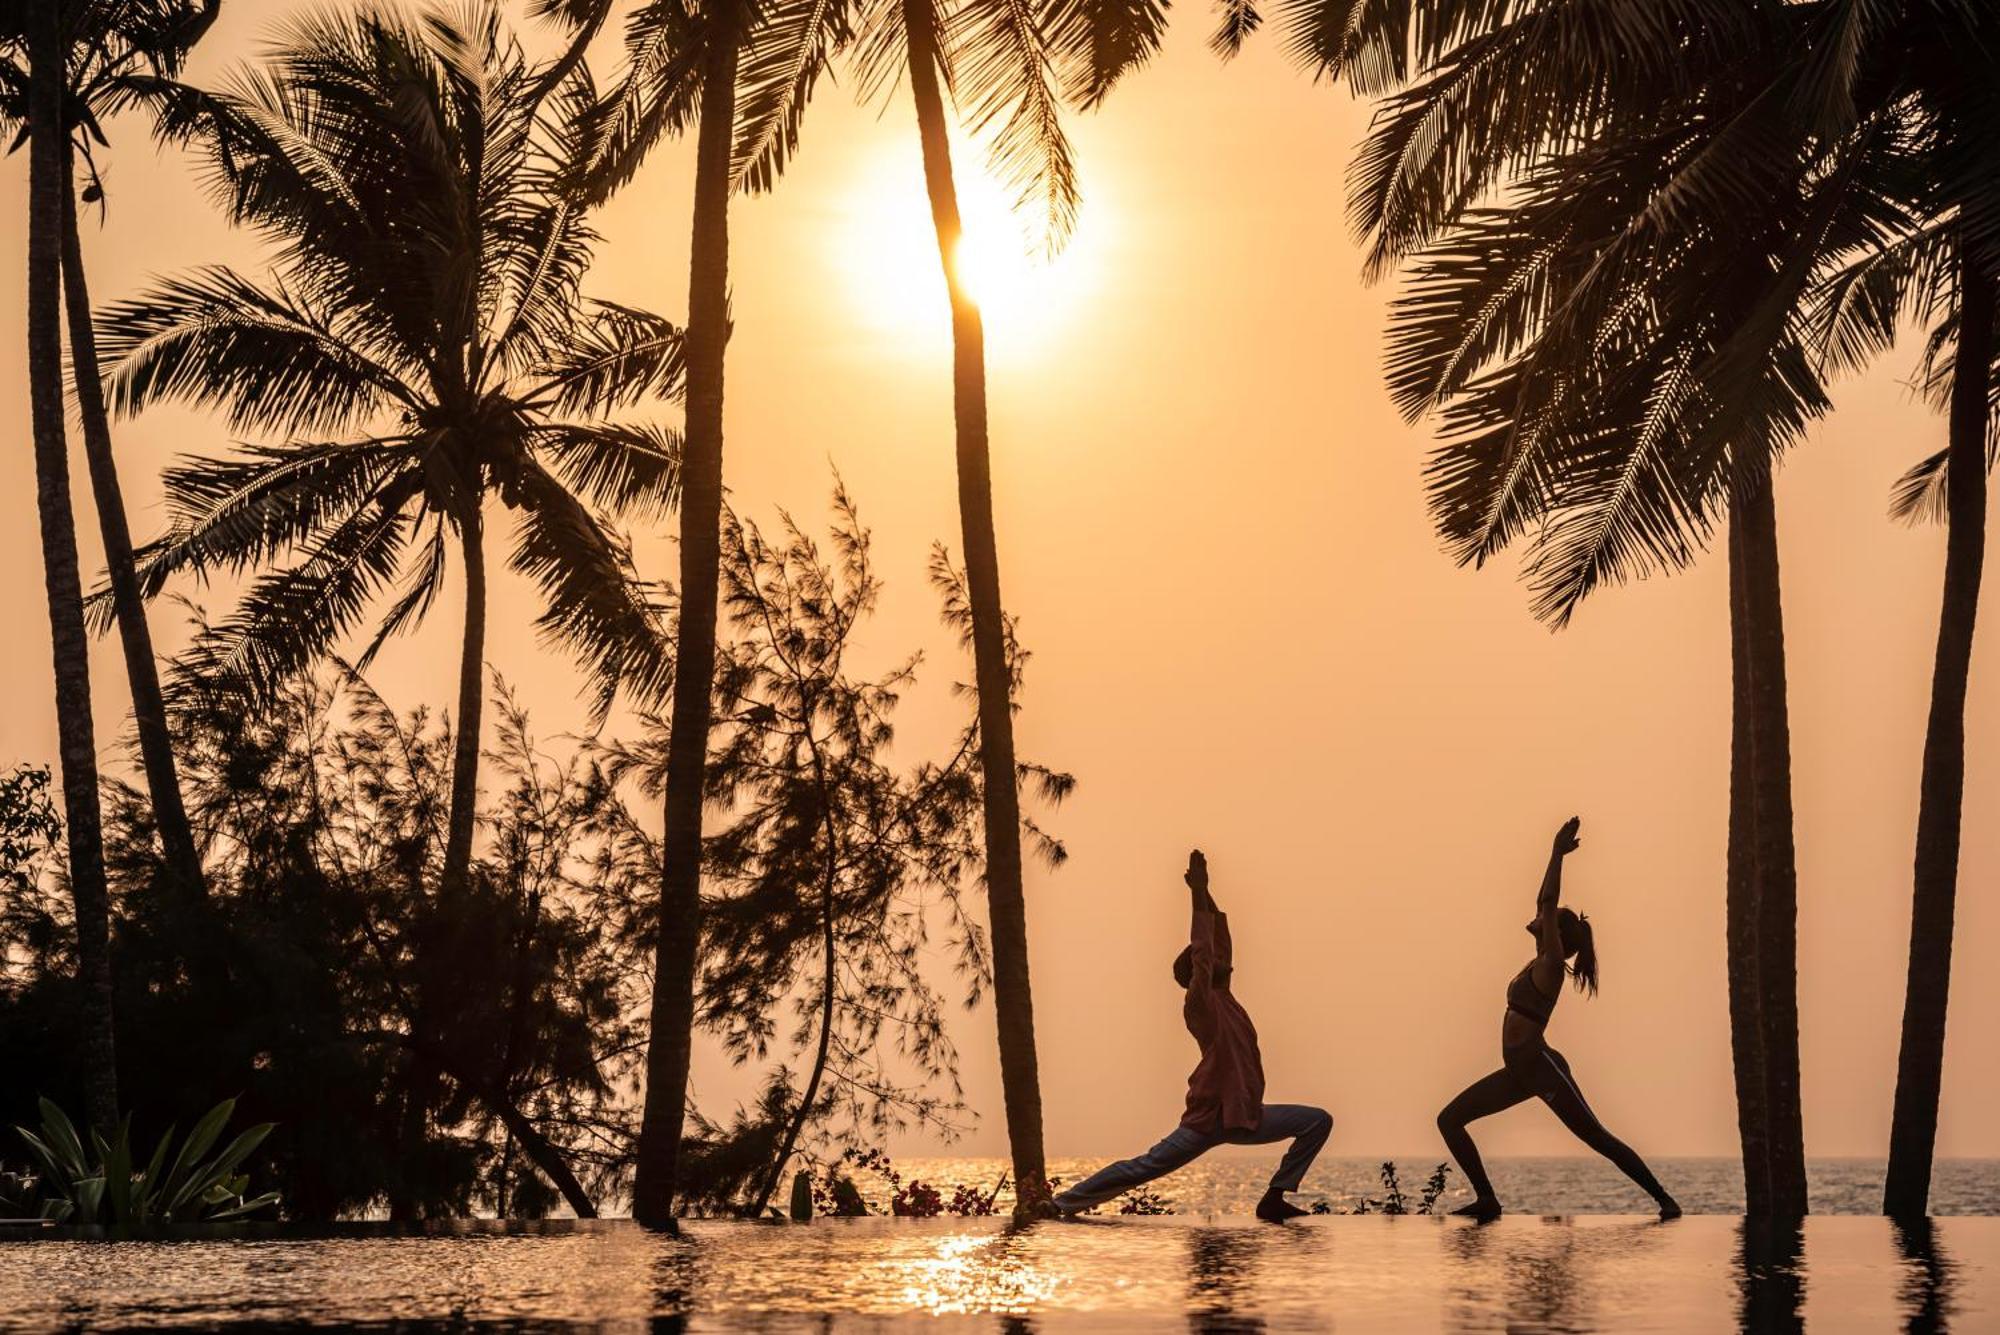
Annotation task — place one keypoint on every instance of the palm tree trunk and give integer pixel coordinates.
(1920, 1065)
(1754, 513)
(1746, 1038)
(407, 1194)
(76, 738)
(149, 708)
(672, 1034)
(1013, 1000)
(464, 812)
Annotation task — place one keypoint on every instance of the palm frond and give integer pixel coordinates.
(613, 358)
(596, 605)
(215, 338)
(233, 514)
(294, 617)
(625, 469)
(787, 50)
(1238, 20)
(1098, 42)
(421, 586)
(1006, 83)
(655, 98)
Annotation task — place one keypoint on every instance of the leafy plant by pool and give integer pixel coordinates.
(915, 1199)
(1394, 1200)
(96, 1182)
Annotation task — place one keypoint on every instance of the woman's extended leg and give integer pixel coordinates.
(1484, 1097)
(1565, 1099)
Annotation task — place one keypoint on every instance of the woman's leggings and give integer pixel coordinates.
(1534, 1071)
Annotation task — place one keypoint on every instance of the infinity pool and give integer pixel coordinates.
(1225, 1274)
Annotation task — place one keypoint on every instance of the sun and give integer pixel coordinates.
(889, 251)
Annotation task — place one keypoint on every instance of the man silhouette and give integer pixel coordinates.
(1225, 1100)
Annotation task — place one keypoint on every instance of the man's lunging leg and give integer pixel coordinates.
(1183, 1146)
(1307, 1128)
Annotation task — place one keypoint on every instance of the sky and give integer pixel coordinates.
(1245, 635)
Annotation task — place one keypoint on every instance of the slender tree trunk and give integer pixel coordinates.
(826, 1004)
(535, 1147)
(1920, 1065)
(517, 1029)
(668, 1051)
(464, 813)
(407, 1200)
(76, 738)
(1755, 524)
(1013, 1000)
(1746, 1037)
(149, 708)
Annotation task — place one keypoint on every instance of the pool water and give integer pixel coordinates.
(1222, 1273)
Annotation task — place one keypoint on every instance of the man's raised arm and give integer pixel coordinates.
(1208, 932)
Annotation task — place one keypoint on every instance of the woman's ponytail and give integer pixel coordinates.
(1584, 969)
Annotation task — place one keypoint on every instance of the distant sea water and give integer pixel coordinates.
(1228, 1182)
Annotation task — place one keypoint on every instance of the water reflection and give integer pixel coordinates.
(673, 1279)
(1553, 1278)
(1929, 1278)
(889, 1276)
(1771, 1281)
(1221, 1279)
(973, 1272)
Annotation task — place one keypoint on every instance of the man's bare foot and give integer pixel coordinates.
(1669, 1208)
(1275, 1209)
(1483, 1209)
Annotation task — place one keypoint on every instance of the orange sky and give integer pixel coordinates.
(1212, 527)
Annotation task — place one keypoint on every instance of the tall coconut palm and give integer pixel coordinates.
(422, 346)
(1617, 357)
(116, 47)
(1899, 100)
(1931, 72)
(733, 70)
(1011, 67)
(1748, 198)
(76, 739)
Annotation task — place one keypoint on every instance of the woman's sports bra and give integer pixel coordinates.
(1527, 1000)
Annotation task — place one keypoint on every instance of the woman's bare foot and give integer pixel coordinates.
(1483, 1209)
(1669, 1208)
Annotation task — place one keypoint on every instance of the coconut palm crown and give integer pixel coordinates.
(421, 345)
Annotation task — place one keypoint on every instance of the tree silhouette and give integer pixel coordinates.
(422, 346)
(731, 69)
(117, 48)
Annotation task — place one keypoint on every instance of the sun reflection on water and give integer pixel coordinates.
(970, 1273)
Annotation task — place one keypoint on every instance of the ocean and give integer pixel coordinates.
(1229, 1181)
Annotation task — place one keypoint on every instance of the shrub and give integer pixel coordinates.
(97, 1183)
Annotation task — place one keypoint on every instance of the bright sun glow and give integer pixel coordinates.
(889, 251)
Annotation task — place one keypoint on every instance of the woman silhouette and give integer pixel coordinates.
(1530, 1068)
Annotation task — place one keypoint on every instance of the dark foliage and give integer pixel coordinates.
(322, 813)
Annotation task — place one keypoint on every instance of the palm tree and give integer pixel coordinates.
(1617, 354)
(76, 738)
(1901, 101)
(742, 74)
(1780, 187)
(423, 345)
(1012, 67)
(115, 48)
(1931, 76)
